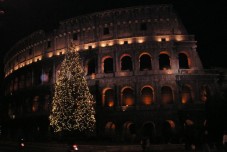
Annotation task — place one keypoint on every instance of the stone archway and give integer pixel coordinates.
(110, 130)
(148, 131)
(126, 63)
(129, 131)
(164, 61)
(167, 129)
(183, 61)
(145, 62)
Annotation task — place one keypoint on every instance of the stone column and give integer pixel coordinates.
(155, 61)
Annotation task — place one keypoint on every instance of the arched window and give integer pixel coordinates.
(108, 97)
(129, 129)
(145, 62)
(126, 63)
(91, 65)
(186, 95)
(148, 130)
(164, 62)
(35, 104)
(167, 130)
(166, 95)
(183, 61)
(147, 96)
(204, 93)
(127, 97)
(110, 129)
(108, 65)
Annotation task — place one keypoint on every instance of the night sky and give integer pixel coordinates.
(205, 20)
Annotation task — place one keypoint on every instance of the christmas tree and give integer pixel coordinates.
(73, 105)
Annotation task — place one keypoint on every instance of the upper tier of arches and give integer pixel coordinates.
(126, 26)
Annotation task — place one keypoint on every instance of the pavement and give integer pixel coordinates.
(7, 146)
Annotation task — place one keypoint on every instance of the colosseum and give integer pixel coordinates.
(141, 65)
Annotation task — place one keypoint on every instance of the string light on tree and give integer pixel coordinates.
(73, 105)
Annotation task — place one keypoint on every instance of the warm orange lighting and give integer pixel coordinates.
(26, 62)
(164, 68)
(185, 98)
(179, 38)
(50, 54)
(160, 39)
(123, 73)
(129, 41)
(110, 128)
(93, 76)
(60, 52)
(124, 107)
(35, 106)
(103, 44)
(147, 100)
(121, 42)
(166, 98)
(111, 103)
(129, 101)
(86, 47)
(110, 43)
(16, 67)
(22, 65)
(140, 40)
(169, 71)
(93, 46)
(38, 58)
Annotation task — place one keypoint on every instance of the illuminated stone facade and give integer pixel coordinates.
(141, 66)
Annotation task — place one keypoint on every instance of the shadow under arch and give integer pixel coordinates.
(168, 129)
(148, 130)
(129, 131)
(110, 130)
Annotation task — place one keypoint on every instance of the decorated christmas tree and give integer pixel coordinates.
(73, 105)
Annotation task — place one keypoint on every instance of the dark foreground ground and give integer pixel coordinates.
(60, 147)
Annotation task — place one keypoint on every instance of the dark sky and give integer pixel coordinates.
(204, 20)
